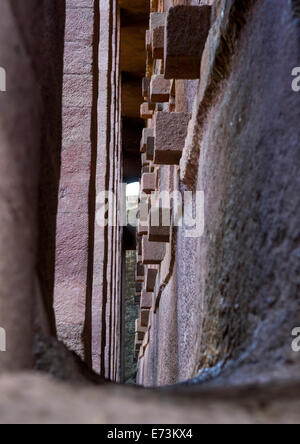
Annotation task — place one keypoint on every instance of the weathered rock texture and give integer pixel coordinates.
(131, 313)
(226, 303)
(42, 400)
(32, 41)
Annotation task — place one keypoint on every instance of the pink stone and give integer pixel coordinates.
(148, 183)
(160, 89)
(153, 252)
(183, 50)
(145, 314)
(145, 112)
(144, 160)
(159, 225)
(170, 134)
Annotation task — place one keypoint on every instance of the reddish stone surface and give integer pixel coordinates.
(140, 270)
(145, 112)
(146, 300)
(170, 134)
(160, 89)
(152, 106)
(183, 50)
(139, 245)
(145, 314)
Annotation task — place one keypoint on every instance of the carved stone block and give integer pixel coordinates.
(186, 32)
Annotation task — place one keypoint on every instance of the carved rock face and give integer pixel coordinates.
(186, 32)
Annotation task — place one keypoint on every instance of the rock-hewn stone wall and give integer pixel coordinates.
(131, 313)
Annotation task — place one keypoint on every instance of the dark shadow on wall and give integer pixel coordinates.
(42, 24)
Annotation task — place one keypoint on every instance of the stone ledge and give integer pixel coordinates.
(145, 314)
(160, 89)
(170, 134)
